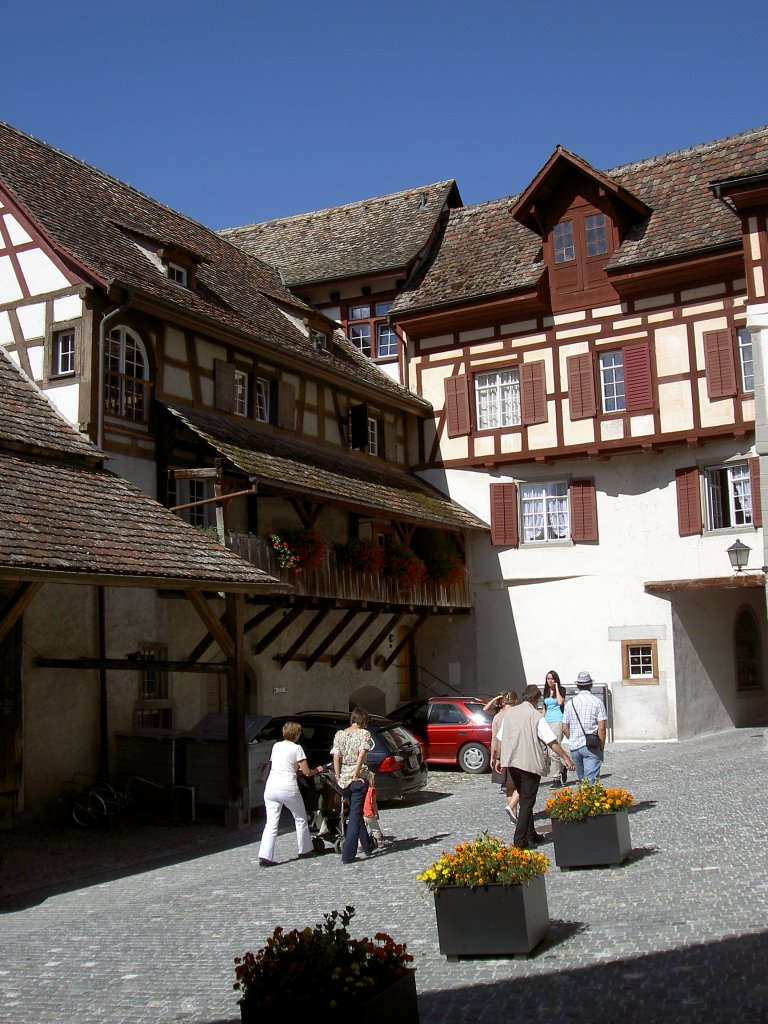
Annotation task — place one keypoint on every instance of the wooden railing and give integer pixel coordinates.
(339, 582)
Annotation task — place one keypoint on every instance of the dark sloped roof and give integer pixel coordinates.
(59, 512)
(484, 252)
(98, 220)
(28, 419)
(326, 473)
(372, 236)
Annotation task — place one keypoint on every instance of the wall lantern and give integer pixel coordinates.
(739, 556)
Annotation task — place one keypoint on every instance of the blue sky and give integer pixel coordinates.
(243, 110)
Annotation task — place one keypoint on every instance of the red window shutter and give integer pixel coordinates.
(533, 393)
(457, 414)
(504, 530)
(688, 501)
(637, 377)
(754, 483)
(581, 387)
(719, 364)
(583, 501)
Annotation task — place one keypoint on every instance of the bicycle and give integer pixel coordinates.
(101, 803)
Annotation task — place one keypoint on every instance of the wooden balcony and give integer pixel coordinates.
(339, 583)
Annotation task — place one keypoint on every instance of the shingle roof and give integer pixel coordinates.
(372, 236)
(97, 220)
(484, 252)
(327, 474)
(61, 513)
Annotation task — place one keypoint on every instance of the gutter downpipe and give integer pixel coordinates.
(105, 319)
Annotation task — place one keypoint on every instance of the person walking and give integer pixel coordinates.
(554, 701)
(524, 735)
(500, 775)
(350, 749)
(584, 721)
(282, 790)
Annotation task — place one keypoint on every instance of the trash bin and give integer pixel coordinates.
(207, 764)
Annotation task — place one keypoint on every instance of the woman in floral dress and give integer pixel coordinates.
(350, 750)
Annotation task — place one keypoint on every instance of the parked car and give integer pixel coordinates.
(396, 756)
(452, 730)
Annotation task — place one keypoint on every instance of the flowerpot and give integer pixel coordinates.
(592, 842)
(397, 1002)
(491, 920)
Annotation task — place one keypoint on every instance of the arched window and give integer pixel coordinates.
(126, 387)
(746, 644)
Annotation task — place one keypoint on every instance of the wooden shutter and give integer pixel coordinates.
(504, 531)
(583, 502)
(719, 364)
(457, 413)
(581, 386)
(389, 440)
(282, 404)
(224, 385)
(358, 426)
(688, 501)
(637, 377)
(533, 393)
(754, 483)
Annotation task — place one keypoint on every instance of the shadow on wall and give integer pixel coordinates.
(369, 697)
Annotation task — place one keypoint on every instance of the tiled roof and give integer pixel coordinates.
(372, 236)
(61, 513)
(484, 252)
(365, 482)
(29, 421)
(97, 219)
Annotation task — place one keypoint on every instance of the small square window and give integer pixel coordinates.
(386, 341)
(63, 353)
(177, 274)
(241, 393)
(360, 336)
(639, 661)
(319, 340)
(359, 312)
(563, 242)
(597, 236)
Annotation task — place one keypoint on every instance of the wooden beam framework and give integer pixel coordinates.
(393, 621)
(367, 621)
(330, 638)
(305, 634)
(22, 598)
(132, 665)
(409, 634)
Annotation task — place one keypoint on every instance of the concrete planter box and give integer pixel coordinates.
(491, 920)
(592, 842)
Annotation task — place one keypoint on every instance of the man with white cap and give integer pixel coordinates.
(584, 721)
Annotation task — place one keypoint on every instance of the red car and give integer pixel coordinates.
(452, 730)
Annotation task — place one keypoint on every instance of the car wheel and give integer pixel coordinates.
(474, 758)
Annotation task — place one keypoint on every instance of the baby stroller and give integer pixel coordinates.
(332, 814)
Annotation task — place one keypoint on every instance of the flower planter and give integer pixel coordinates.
(397, 1002)
(592, 842)
(491, 920)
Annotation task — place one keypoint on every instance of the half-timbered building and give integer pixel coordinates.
(587, 351)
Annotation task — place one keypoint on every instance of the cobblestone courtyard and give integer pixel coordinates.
(141, 926)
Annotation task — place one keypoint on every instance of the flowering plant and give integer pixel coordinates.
(298, 549)
(406, 567)
(362, 555)
(483, 861)
(447, 570)
(588, 800)
(318, 969)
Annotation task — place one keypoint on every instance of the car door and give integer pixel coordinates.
(447, 729)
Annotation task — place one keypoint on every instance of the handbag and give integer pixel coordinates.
(591, 739)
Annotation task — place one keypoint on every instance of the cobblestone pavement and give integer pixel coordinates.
(111, 928)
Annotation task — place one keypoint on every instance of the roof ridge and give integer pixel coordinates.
(309, 214)
(699, 147)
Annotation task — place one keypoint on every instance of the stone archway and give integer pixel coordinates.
(372, 698)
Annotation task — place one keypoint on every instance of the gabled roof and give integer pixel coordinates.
(97, 225)
(485, 253)
(327, 474)
(63, 518)
(368, 237)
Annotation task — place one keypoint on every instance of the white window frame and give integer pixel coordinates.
(612, 390)
(242, 386)
(178, 274)
(545, 512)
(639, 661)
(728, 496)
(746, 360)
(497, 399)
(386, 341)
(261, 400)
(64, 357)
(373, 436)
(126, 372)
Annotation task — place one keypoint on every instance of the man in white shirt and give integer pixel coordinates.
(524, 736)
(584, 721)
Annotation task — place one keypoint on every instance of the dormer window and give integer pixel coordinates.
(597, 235)
(177, 274)
(319, 340)
(563, 242)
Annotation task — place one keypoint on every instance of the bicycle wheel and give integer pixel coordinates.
(89, 809)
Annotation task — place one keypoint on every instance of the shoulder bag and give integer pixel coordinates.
(591, 739)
